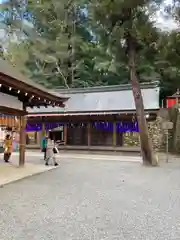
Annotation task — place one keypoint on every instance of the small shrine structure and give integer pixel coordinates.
(173, 100)
(17, 93)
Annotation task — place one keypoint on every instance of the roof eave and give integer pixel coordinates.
(132, 111)
(13, 82)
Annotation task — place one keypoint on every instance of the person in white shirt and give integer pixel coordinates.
(50, 155)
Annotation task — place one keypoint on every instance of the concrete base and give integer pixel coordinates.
(10, 172)
(133, 150)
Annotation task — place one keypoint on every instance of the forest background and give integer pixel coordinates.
(79, 43)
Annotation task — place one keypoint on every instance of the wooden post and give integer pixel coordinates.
(114, 134)
(39, 136)
(65, 134)
(89, 133)
(22, 140)
(35, 136)
(43, 129)
(122, 139)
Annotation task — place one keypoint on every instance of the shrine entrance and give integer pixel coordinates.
(9, 124)
(17, 94)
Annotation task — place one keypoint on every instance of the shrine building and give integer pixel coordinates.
(93, 118)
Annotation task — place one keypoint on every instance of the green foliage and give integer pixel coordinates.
(80, 43)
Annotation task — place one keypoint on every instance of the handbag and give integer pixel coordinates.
(55, 150)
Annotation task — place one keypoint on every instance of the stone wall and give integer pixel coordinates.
(155, 133)
(158, 135)
(131, 139)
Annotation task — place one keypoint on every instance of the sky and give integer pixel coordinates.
(165, 24)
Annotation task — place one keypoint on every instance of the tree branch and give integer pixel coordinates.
(64, 78)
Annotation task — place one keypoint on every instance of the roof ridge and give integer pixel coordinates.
(121, 87)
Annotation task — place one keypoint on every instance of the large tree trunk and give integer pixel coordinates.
(146, 144)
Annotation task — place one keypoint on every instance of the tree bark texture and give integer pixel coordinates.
(146, 144)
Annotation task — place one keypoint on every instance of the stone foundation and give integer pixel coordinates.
(131, 139)
(156, 135)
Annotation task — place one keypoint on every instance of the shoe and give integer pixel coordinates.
(56, 164)
(46, 164)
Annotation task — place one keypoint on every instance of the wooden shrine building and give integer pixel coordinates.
(94, 117)
(17, 93)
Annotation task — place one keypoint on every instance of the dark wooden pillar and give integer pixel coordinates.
(122, 138)
(89, 133)
(114, 134)
(65, 134)
(43, 129)
(22, 140)
(35, 137)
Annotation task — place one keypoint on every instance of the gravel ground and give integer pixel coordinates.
(97, 200)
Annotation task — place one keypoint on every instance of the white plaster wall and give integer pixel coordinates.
(10, 101)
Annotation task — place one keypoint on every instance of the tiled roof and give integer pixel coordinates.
(104, 99)
(13, 72)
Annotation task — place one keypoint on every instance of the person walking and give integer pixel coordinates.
(50, 155)
(44, 146)
(8, 147)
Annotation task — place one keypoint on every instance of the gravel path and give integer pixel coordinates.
(93, 200)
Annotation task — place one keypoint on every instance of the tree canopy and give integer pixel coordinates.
(79, 43)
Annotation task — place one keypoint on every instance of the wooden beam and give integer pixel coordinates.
(31, 88)
(12, 111)
(77, 118)
(22, 142)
